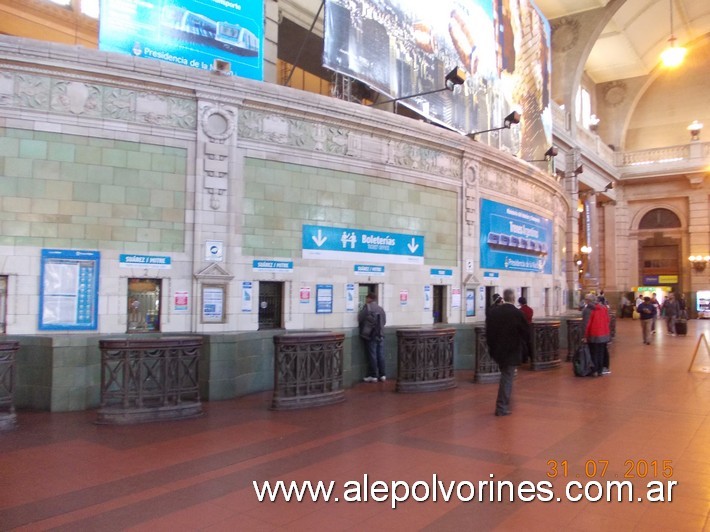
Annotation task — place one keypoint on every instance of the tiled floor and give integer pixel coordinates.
(60, 471)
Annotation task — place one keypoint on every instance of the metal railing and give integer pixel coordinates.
(149, 379)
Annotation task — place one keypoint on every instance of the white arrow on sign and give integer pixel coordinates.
(413, 246)
(319, 239)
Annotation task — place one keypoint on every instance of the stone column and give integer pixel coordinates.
(698, 240)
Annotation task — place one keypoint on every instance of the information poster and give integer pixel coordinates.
(304, 295)
(324, 299)
(213, 304)
(247, 296)
(427, 297)
(455, 298)
(470, 303)
(181, 300)
(350, 297)
(69, 288)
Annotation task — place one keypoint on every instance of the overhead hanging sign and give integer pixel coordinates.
(321, 242)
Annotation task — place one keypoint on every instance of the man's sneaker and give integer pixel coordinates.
(606, 371)
(370, 379)
(383, 378)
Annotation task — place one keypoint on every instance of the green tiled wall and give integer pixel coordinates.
(280, 197)
(59, 190)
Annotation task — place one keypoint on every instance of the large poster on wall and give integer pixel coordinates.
(515, 239)
(192, 33)
(401, 48)
(69, 290)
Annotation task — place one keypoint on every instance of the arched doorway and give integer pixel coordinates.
(659, 241)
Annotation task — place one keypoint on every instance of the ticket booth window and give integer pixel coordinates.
(363, 290)
(270, 305)
(438, 312)
(144, 305)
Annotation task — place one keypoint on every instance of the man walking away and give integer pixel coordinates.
(671, 311)
(372, 320)
(508, 337)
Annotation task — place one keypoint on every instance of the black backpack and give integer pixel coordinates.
(582, 362)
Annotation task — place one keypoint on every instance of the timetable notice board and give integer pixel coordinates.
(69, 290)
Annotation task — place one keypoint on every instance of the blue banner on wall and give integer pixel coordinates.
(515, 239)
(187, 32)
(321, 242)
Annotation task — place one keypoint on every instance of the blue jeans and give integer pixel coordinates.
(376, 358)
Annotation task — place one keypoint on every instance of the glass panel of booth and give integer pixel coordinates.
(143, 304)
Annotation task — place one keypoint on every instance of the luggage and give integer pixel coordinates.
(681, 327)
(582, 362)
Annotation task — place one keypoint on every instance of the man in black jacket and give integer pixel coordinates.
(508, 337)
(372, 320)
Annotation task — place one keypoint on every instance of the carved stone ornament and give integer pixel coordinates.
(615, 93)
(217, 124)
(470, 173)
(565, 34)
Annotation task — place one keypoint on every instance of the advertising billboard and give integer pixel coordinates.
(192, 33)
(403, 48)
(514, 239)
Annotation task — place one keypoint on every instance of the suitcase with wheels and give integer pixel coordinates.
(681, 327)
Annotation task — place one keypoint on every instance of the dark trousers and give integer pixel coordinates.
(505, 389)
(597, 351)
(376, 358)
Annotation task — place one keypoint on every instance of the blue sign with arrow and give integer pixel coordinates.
(322, 242)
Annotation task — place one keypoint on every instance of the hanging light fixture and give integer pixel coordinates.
(672, 56)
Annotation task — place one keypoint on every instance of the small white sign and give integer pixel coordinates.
(214, 250)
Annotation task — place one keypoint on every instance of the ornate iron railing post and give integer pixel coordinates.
(8, 418)
(487, 370)
(574, 336)
(546, 345)
(425, 359)
(149, 379)
(308, 370)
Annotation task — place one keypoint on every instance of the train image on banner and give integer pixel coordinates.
(192, 27)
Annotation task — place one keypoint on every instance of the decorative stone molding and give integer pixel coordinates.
(91, 99)
(470, 173)
(217, 124)
(332, 139)
(614, 93)
(565, 34)
(214, 273)
(696, 179)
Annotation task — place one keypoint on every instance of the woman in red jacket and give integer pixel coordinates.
(597, 335)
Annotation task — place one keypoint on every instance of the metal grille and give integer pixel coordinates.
(150, 373)
(270, 305)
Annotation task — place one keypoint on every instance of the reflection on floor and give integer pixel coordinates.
(649, 420)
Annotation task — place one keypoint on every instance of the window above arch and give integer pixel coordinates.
(659, 219)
